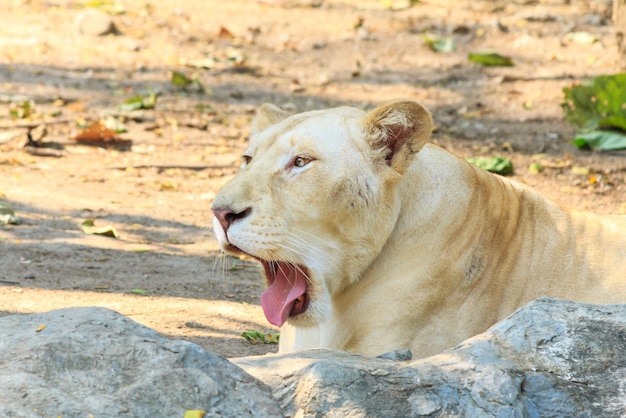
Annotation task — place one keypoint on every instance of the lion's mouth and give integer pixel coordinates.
(286, 294)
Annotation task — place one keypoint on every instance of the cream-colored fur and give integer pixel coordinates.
(405, 245)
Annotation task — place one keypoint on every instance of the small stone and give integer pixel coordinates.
(593, 19)
(94, 22)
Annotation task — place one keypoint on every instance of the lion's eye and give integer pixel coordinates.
(301, 161)
(246, 160)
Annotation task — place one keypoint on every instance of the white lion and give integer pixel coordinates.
(373, 240)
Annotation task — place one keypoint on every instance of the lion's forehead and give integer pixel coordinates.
(328, 131)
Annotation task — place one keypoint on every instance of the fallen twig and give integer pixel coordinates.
(34, 124)
(10, 283)
(173, 167)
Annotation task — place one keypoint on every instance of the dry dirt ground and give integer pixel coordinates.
(156, 189)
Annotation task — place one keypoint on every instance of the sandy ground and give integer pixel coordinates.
(164, 270)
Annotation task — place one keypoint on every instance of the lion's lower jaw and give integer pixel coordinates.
(304, 320)
(316, 314)
(295, 338)
(303, 331)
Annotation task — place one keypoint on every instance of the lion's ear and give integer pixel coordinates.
(398, 130)
(267, 115)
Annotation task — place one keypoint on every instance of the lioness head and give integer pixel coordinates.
(315, 200)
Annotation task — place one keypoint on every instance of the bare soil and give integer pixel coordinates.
(165, 270)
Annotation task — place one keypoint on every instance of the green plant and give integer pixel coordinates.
(597, 108)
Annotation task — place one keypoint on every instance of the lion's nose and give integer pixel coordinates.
(226, 217)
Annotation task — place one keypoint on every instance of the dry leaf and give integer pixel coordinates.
(168, 186)
(89, 227)
(76, 106)
(225, 33)
(96, 132)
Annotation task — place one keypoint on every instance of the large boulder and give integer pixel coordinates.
(552, 358)
(95, 362)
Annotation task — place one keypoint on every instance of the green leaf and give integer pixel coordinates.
(134, 103)
(89, 227)
(109, 6)
(257, 336)
(22, 110)
(498, 165)
(7, 215)
(234, 265)
(138, 292)
(438, 44)
(194, 413)
(603, 140)
(150, 100)
(253, 336)
(491, 59)
(535, 168)
(180, 80)
(140, 102)
(596, 104)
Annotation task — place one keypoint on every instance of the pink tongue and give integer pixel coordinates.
(278, 299)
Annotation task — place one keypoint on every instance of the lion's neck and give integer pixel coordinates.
(438, 194)
(471, 229)
(452, 215)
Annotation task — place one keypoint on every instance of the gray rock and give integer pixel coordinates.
(552, 358)
(94, 22)
(95, 362)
